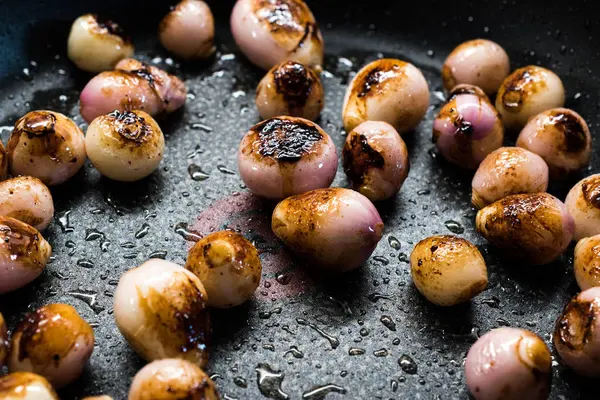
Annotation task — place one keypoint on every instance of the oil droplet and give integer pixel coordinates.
(269, 382)
(295, 352)
(380, 353)
(182, 230)
(64, 223)
(88, 298)
(93, 234)
(320, 392)
(407, 364)
(202, 127)
(196, 173)
(394, 243)
(333, 341)
(241, 382)
(268, 314)
(283, 278)
(224, 170)
(493, 302)
(454, 227)
(162, 254)
(143, 231)
(388, 322)
(374, 297)
(381, 260)
(355, 351)
(85, 263)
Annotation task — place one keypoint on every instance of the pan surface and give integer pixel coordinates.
(301, 334)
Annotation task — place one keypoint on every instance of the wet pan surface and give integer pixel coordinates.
(367, 334)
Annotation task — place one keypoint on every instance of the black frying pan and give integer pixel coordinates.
(371, 309)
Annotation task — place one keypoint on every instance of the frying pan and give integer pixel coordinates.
(300, 326)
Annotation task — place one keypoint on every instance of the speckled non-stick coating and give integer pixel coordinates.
(145, 218)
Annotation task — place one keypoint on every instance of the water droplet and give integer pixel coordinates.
(394, 243)
(374, 297)
(407, 364)
(128, 245)
(241, 382)
(454, 227)
(502, 322)
(88, 298)
(268, 346)
(333, 341)
(396, 341)
(320, 392)
(162, 254)
(64, 223)
(85, 263)
(182, 229)
(380, 353)
(364, 332)
(295, 352)
(196, 173)
(388, 322)
(355, 351)
(27, 75)
(403, 257)
(269, 382)
(143, 231)
(423, 192)
(493, 302)
(344, 373)
(224, 170)
(430, 53)
(283, 278)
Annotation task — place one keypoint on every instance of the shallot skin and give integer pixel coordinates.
(54, 342)
(583, 203)
(577, 333)
(161, 310)
(337, 229)
(533, 228)
(47, 145)
(27, 199)
(285, 156)
(561, 137)
(270, 32)
(506, 171)
(3, 341)
(478, 62)
(3, 162)
(448, 270)
(172, 379)
(527, 92)
(26, 386)
(387, 90)
(96, 45)
(291, 89)
(228, 266)
(125, 146)
(23, 254)
(509, 364)
(133, 85)
(467, 129)
(586, 264)
(376, 160)
(188, 30)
